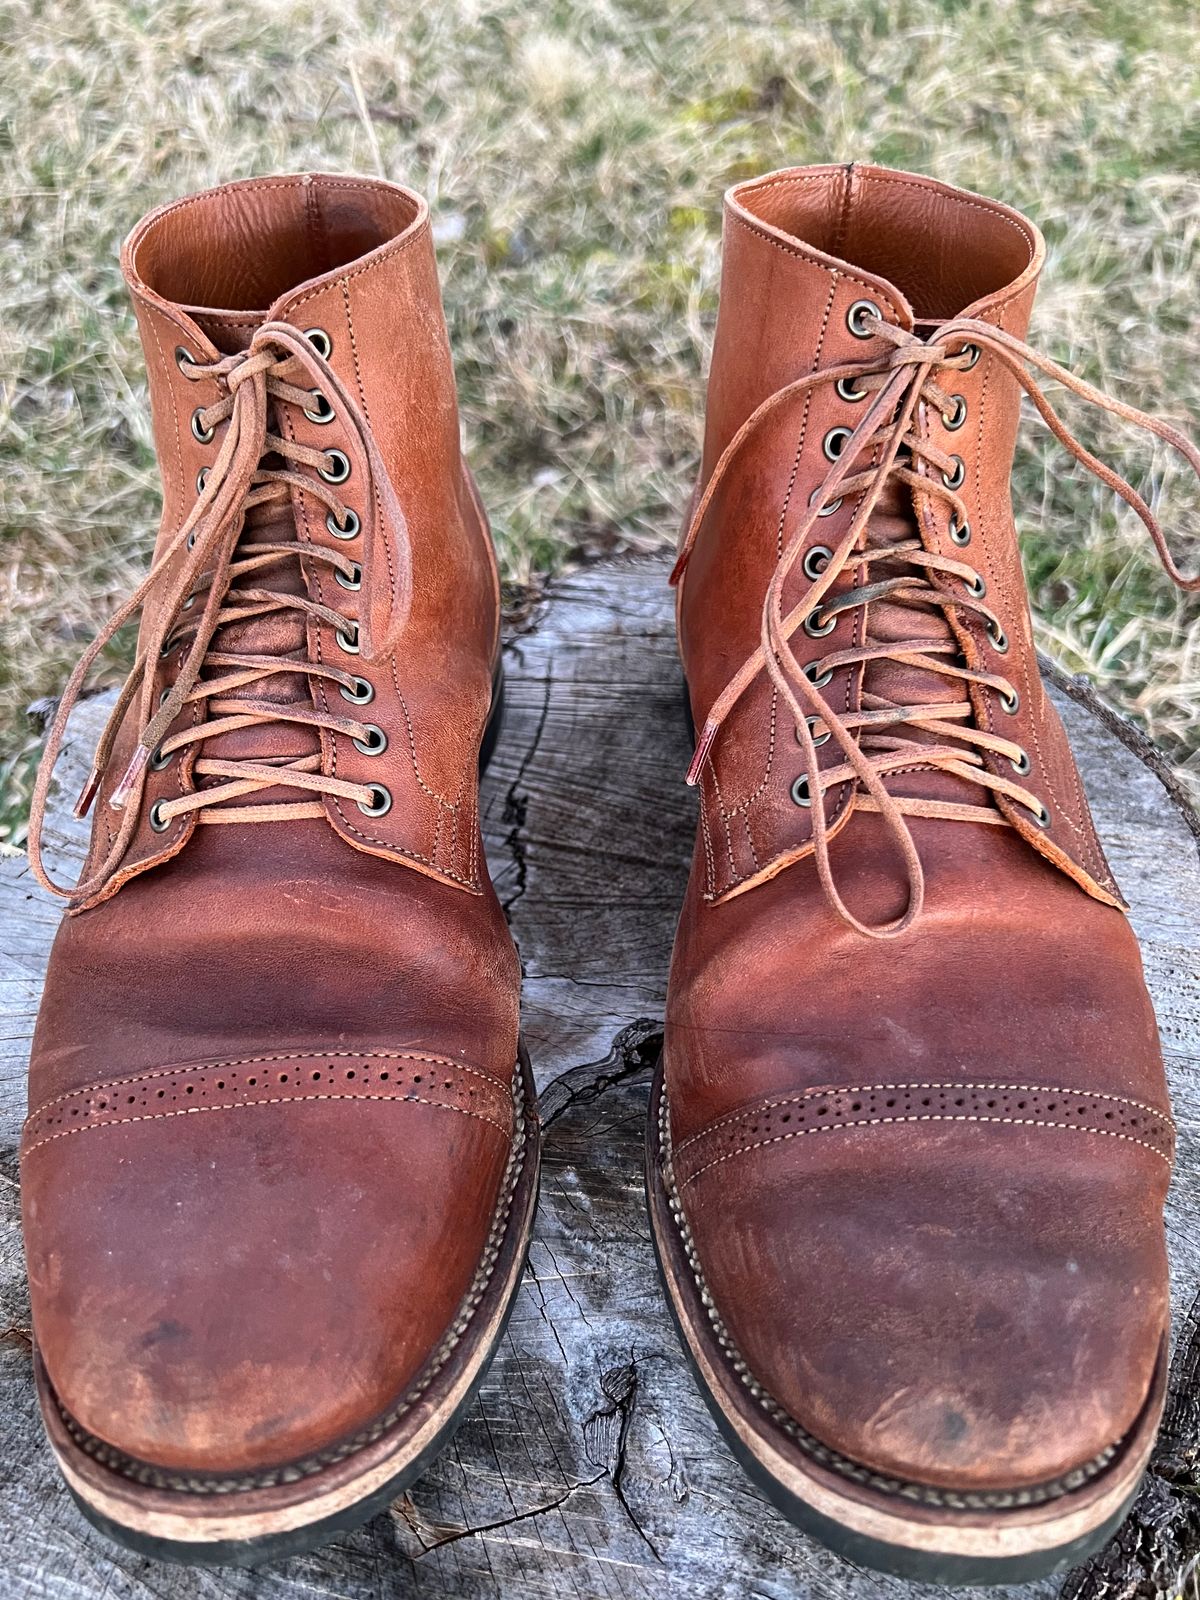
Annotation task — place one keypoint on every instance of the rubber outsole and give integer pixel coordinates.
(922, 1565)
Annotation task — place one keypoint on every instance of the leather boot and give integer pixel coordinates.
(911, 1137)
(254, 1329)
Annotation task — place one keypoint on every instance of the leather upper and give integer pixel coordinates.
(923, 1175)
(271, 1091)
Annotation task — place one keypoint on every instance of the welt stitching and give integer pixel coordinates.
(871, 1122)
(840, 1092)
(251, 1105)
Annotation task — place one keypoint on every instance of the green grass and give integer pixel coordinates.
(574, 154)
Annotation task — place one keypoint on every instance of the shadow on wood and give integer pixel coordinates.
(589, 1466)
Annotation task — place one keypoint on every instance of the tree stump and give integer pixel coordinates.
(589, 1467)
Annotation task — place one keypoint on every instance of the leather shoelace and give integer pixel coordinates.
(224, 573)
(876, 739)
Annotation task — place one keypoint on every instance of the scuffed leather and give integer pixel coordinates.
(971, 1303)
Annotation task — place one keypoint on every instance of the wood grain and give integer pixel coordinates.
(589, 1466)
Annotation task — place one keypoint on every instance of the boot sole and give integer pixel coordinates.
(247, 1527)
(887, 1532)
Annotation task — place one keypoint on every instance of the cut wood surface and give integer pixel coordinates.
(589, 1466)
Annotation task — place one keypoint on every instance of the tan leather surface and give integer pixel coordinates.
(271, 1085)
(959, 1294)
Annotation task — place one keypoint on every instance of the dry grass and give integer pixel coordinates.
(575, 155)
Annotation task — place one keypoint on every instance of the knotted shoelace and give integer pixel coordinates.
(875, 740)
(225, 575)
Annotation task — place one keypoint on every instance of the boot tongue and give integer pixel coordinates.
(277, 633)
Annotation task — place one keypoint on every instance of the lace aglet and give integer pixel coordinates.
(703, 746)
(130, 776)
(87, 794)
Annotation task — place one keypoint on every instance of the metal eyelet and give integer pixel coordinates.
(817, 738)
(381, 803)
(320, 341)
(164, 696)
(816, 560)
(974, 352)
(185, 359)
(960, 532)
(188, 603)
(1042, 816)
(158, 822)
(954, 421)
(800, 794)
(339, 468)
(998, 637)
(834, 442)
(817, 678)
(976, 586)
(1022, 764)
(191, 540)
(1010, 701)
(168, 645)
(826, 511)
(960, 474)
(375, 742)
(846, 389)
(814, 627)
(200, 433)
(362, 693)
(321, 412)
(158, 761)
(353, 582)
(348, 641)
(349, 529)
(201, 480)
(857, 315)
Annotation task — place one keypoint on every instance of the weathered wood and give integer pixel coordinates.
(589, 1466)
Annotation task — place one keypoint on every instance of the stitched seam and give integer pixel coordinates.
(820, 1093)
(801, 254)
(253, 1105)
(871, 1122)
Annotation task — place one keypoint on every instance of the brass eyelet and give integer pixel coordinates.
(158, 822)
(349, 529)
(348, 640)
(339, 467)
(954, 421)
(375, 742)
(353, 582)
(320, 341)
(846, 389)
(817, 738)
(201, 480)
(859, 317)
(998, 637)
(1021, 764)
(322, 411)
(185, 359)
(1010, 700)
(834, 442)
(800, 794)
(816, 677)
(976, 586)
(362, 693)
(959, 476)
(960, 532)
(200, 433)
(380, 804)
(816, 559)
(815, 628)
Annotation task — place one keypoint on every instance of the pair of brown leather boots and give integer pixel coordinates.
(910, 1139)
